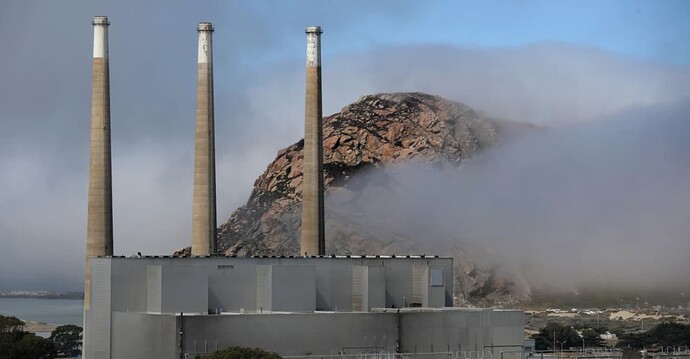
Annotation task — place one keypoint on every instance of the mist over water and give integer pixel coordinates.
(603, 203)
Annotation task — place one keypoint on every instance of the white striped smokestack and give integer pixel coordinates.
(204, 201)
(99, 227)
(99, 224)
(313, 230)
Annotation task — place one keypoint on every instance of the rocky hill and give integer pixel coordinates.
(373, 135)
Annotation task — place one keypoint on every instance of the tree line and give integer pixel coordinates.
(16, 343)
(555, 336)
(660, 336)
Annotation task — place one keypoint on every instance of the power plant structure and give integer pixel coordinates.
(204, 201)
(99, 227)
(307, 305)
(313, 236)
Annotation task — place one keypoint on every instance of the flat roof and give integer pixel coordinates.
(218, 256)
(373, 310)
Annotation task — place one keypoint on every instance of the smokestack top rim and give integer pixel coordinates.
(205, 26)
(314, 30)
(100, 20)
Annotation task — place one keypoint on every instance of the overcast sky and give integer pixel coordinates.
(546, 62)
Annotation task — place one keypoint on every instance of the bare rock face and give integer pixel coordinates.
(373, 134)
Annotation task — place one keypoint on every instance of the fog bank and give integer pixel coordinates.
(604, 203)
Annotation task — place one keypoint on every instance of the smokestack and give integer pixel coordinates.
(204, 202)
(99, 227)
(313, 233)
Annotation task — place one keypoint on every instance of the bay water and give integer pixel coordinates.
(51, 311)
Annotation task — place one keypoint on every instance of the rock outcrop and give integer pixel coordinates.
(374, 134)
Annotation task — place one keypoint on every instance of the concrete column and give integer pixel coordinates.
(313, 233)
(99, 227)
(204, 201)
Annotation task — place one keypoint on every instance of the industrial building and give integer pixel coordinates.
(161, 307)
(306, 305)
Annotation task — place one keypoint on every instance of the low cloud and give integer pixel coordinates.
(602, 203)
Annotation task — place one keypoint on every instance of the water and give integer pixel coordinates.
(52, 311)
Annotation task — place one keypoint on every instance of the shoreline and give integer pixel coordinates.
(36, 327)
(51, 296)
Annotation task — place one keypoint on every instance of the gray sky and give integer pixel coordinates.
(525, 73)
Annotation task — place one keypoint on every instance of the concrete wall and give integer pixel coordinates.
(293, 289)
(475, 332)
(174, 289)
(140, 335)
(97, 316)
(232, 283)
(290, 334)
(154, 275)
(377, 288)
(128, 285)
(469, 330)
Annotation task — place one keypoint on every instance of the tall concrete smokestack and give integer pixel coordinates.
(313, 232)
(204, 202)
(99, 227)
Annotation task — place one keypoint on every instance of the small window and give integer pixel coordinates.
(436, 277)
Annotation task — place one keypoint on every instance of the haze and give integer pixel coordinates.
(559, 68)
(601, 204)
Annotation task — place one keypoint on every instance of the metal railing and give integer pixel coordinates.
(427, 355)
